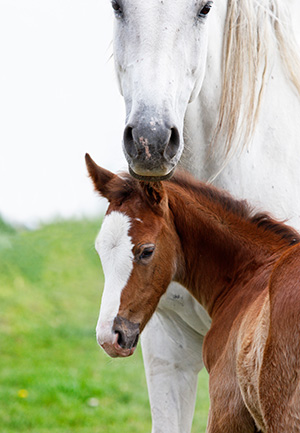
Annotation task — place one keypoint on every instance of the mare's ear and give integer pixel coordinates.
(156, 195)
(100, 177)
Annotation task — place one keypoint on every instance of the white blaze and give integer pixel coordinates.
(114, 247)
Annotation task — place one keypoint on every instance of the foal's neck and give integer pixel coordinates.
(223, 247)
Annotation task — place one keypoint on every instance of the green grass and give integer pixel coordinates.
(53, 375)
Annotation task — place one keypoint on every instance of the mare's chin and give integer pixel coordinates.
(151, 177)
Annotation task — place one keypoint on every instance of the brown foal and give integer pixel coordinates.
(243, 267)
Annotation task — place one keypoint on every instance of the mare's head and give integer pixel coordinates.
(138, 248)
(160, 49)
(166, 51)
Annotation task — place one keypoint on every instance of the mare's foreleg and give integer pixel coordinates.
(172, 353)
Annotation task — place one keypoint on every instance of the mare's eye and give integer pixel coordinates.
(117, 8)
(205, 10)
(146, 252)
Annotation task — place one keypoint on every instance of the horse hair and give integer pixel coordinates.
(200, 190)
(254, 30)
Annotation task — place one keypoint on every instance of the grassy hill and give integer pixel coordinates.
(53, 375)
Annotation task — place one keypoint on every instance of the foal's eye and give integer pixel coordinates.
(117, 8)
(146, 252)
(205, 10)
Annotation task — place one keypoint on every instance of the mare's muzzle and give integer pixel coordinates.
(128, 332)
(151, 147)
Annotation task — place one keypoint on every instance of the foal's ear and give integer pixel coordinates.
(156, 195)
(100, 177)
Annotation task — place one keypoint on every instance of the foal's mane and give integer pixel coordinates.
(254, 31)
(186, 184)
(240, 208)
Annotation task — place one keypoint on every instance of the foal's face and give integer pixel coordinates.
(138, 263)
(138, 248)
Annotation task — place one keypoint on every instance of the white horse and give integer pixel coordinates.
(216, 84)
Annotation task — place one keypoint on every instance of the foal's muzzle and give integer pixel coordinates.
(123, 338)
(128, 332)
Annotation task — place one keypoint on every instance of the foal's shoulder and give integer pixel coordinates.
(284, 283)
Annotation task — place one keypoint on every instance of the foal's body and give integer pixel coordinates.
(254, 371)
(246, 278)
(243, 269)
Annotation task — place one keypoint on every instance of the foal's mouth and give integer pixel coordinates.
(115, 350)
(124, 338)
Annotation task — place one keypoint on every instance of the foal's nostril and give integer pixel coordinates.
(121, 339)
(136, 340)
(128, 332)
(173, 144)
(126, 343)
(129, 142)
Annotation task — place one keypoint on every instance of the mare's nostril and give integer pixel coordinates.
(129, 142)
(145, 143)
(173, 144)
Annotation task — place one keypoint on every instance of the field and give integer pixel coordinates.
(54, 377)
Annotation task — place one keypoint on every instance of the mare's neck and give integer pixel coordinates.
(265, 171)
(222, 251)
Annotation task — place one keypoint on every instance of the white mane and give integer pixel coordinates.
(254, 31)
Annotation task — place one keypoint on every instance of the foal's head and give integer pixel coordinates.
(138, 248)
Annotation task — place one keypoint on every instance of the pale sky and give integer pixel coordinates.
(58, 100)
